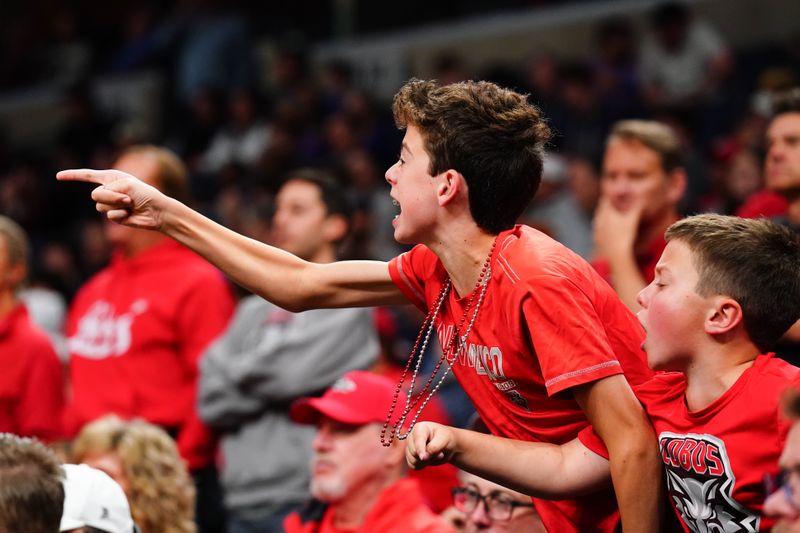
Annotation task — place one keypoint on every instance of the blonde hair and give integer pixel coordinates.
(161, 493)
(172, 174)
(17, 243)
(655, 135)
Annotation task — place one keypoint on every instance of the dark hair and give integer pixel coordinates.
(331, 192)
(493, 136)
(670, 13)
(31, 486)
(786, 102)
(754, 261)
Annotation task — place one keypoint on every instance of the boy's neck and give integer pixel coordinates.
(712, 375)
(463, 254)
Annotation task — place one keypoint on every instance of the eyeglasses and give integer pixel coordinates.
(498, 505)
(786, 480)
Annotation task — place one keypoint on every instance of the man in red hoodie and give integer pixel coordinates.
(357, 484)
(137, 329)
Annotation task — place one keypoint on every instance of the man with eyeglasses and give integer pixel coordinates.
(783, 501)
(480, 505)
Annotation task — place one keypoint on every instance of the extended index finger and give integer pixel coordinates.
(88, 175)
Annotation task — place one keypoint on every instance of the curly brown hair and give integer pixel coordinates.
(161, 493)
(492, 136)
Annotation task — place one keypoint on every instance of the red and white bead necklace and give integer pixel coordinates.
(449, 355)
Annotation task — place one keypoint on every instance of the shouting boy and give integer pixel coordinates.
(538, 340)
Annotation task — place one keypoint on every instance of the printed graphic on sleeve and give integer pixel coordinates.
(700, 483)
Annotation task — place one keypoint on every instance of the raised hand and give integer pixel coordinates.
(122, 197)
(430, 444)
(615, 231)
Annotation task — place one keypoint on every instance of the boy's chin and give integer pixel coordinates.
(664, 364)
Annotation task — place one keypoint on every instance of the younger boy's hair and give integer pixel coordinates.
(31, 486)
(493, 136)
(754, 261)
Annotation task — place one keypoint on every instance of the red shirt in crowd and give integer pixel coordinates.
(646, 261)
(135, 333)
(548, 323)
(31, 380)
(399, 509)
(716, 458)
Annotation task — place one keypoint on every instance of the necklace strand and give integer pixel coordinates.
(450, 353)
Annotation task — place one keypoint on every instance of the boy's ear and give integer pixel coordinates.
(725, 315)
(451, 184)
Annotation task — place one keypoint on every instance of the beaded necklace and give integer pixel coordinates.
(450, 353)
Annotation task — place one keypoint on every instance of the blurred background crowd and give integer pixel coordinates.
(244, 92)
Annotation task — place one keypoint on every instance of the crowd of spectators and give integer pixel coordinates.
(194, 86)
(240, 128)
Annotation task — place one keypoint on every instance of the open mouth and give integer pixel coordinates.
(397, 205)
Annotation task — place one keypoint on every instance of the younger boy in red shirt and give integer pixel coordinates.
(725, 290)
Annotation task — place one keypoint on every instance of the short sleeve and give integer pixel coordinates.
(567, 333)
(408, 273)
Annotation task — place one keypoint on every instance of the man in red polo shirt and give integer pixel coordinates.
(643, 182)
(357, 484)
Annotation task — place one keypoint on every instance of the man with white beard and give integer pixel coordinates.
(357, 484)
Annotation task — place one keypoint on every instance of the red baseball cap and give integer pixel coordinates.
(357, 398)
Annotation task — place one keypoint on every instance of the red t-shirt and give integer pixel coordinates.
(135, 332)
(548, 323)
(399, 509)
(646, 262)
(763, 204)
(716, 458)
(31, 381)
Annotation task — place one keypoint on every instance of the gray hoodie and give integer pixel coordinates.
(266, 359)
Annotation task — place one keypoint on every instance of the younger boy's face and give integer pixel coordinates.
(672, 311)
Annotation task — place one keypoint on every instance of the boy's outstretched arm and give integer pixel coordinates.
(274, 274)
(636, 467)
(539, 469)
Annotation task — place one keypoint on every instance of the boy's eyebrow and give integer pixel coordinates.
(405, 147)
